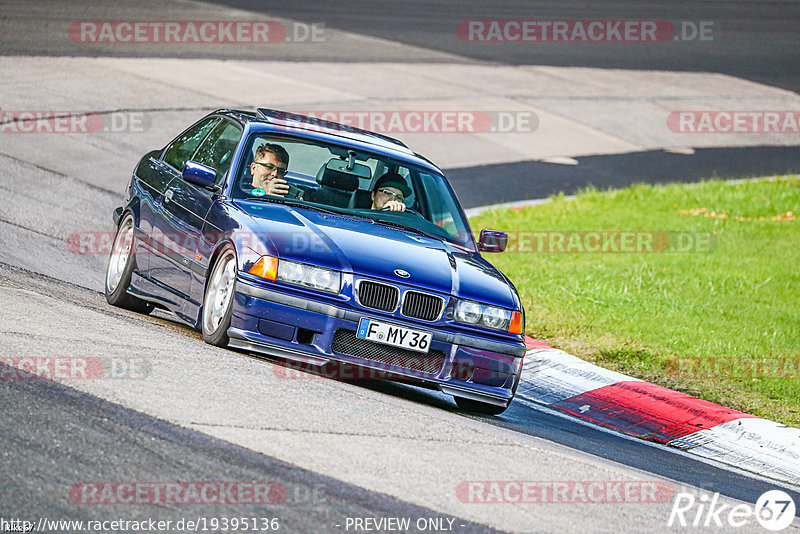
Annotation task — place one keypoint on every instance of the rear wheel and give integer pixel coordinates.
(121, 264)
(218, 299)
(469, 405)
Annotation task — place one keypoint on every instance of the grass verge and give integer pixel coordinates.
(693, 287)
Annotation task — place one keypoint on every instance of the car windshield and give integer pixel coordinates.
(342, 179)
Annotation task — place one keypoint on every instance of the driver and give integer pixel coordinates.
(390, 193)
(269, 168)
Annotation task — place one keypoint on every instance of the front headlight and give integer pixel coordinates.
(471, 312)
(496, 317)
(468, 312)
(300, 274)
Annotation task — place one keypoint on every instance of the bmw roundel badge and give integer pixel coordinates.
(401, 273)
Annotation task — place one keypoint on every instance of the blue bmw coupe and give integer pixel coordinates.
(321, 244)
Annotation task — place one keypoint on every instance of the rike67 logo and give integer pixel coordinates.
(774, 511)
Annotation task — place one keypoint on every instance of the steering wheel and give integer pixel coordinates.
(294, 192)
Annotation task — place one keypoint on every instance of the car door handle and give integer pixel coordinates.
(168, 195)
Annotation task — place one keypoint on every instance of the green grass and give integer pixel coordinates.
(722, 324)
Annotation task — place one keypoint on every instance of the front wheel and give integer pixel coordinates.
(469, 405)
(218, 299)
(121, 264)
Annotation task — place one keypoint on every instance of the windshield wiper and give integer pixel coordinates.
(406, 228)
(439, 234)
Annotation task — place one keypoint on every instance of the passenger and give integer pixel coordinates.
(390, 193)
(269, 168)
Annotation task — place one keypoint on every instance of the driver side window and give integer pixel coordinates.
(218, 148)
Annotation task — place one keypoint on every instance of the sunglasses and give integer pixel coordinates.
(270, 167)
(397, 196)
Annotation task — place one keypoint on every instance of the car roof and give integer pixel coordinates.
(272, 120)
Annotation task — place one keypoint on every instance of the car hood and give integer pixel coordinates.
(358, 245)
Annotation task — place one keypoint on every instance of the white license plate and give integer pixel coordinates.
(391, 334)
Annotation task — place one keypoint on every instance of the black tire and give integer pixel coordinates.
(121, 264)
(218, 299)
(469, 405)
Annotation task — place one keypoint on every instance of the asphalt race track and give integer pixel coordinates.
(339, 456)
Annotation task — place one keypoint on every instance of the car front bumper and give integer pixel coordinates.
(319, 334)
